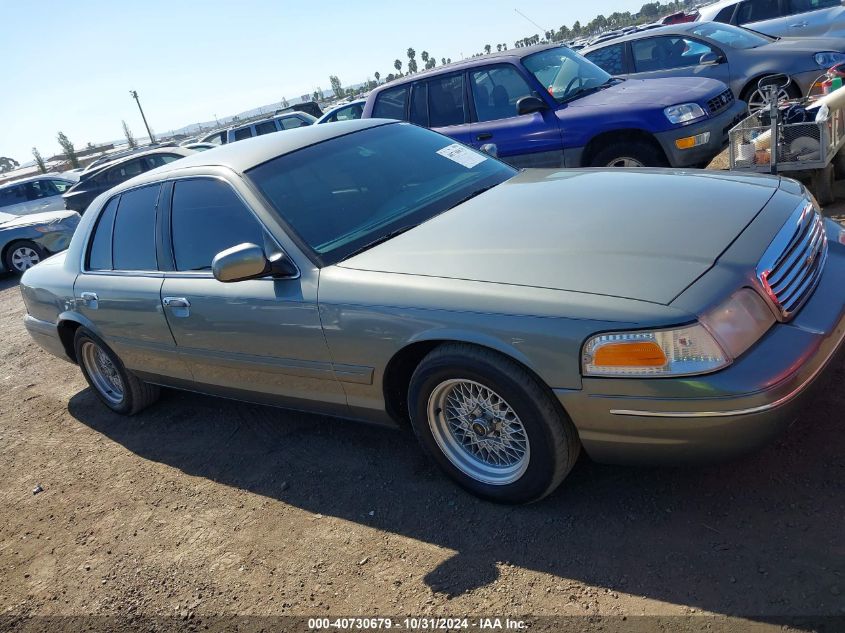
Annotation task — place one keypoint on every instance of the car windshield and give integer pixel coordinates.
(565, 73)
(732, 36)
(351, 191)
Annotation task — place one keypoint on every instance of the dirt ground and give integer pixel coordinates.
(201, 507)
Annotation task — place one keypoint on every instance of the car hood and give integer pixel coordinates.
(638, 234)
(809, 45)
(652, 93)
(37, 218)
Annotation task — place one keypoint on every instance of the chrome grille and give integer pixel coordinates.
(792, 265)
(720, 102)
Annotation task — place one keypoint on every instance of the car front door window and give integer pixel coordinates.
(667, 53)
(496, 91)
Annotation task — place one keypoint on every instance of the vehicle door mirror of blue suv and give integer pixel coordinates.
(527, 105)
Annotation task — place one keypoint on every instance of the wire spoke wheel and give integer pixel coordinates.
(625, 161)
(23, 258)
(478, 431)
(103, 373)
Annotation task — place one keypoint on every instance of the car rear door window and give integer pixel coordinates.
(391, 103)
(157, 160)
(99, 253)
(61, 185)
(292, 122)
(243, 133)
(125, 171)
(419, 105)
(758, 10)
(496, 91)
(134, 230)
(12, 195)
(724, 16)
(207, 217)
(446, 101)
(610, 58)
(666, 53)
(265, 127)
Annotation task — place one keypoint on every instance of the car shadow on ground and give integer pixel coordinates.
(8, 280)
(757, 537)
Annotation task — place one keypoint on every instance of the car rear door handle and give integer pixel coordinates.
(179, 306)
(483, 136)
(798, 25)
(90, 299)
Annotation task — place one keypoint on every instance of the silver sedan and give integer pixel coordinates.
(379, 271)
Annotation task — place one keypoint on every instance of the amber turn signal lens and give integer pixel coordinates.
(633, 354)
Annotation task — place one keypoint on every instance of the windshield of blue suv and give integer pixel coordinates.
(565, 73)
(347, 193)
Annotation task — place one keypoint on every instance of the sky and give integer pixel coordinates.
(69, 66)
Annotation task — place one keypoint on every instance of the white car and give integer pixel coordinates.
(780, 18)
(35, 194)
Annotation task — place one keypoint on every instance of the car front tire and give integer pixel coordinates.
(631, 154)
(490, 425)
(23, 255)
(116, 387)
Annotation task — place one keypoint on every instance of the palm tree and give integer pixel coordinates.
(499, 47)
(424, 56)
(377, 76)
(442, 61)
(397, 64)
(412, 63)
(487, 48)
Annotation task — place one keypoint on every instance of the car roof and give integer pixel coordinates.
(672, 29)
(275, 117)
(470, 62)
(52, 175)
(250, 152)
(119, 161)
(714, 7)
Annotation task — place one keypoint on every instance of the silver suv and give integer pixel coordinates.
(780, 18)
(276, 124)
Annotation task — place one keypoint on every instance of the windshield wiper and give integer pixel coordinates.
(380, 240)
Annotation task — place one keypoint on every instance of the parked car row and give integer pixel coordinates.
(736, 56)
(547, 106)
(278, 123)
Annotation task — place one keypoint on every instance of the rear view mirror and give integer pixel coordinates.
(527, 105)
(248, 261)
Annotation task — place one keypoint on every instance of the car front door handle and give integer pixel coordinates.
(484, 136)
(179, 306)
(799, 25)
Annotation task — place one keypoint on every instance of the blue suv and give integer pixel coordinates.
(546, 106)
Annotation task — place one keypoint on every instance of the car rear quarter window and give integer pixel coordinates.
(265, 127)
(99, 252)
(208, 217)
(133, 246)
(496, 90)
(293, 122)
(12, 195)
(419, 105)
(390, 104)
(725, 14)
(609, 59)
(446, 101)
(157, 160)
(758, 10)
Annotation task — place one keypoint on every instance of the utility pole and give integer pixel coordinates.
(134, 94)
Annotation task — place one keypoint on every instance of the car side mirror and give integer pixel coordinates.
(490, 149)
(710, 59)
(248, 261)
(527, 105)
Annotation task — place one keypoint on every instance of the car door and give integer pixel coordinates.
(262, 336)
(766, 16)
(523, 140)
(677, 56)
(803, 18)
(119, 288)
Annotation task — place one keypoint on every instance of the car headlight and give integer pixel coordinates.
(828, 59)
(720, 336)
(684, 113)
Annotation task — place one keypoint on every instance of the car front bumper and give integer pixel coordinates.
(717, 126)
(700, 418)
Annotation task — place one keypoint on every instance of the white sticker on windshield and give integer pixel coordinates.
(462, 155)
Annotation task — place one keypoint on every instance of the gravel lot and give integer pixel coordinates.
(201, 506)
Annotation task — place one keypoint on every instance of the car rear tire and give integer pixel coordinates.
(490, 425)
(629, 154)
(116, 387)
(23, 255)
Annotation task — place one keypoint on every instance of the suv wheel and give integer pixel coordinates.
(629, 154)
